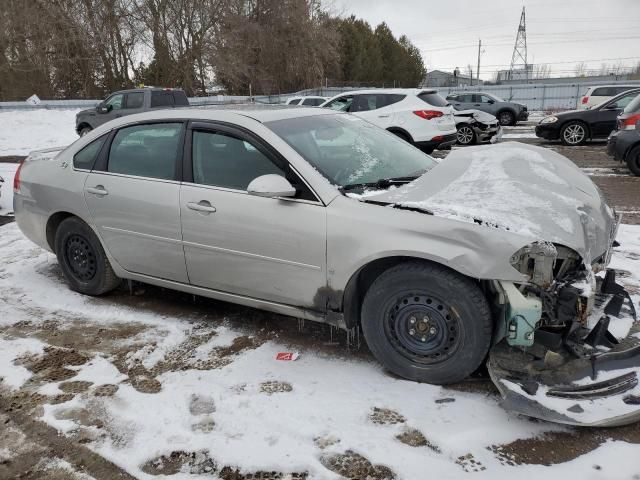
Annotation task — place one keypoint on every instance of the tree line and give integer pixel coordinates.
(87, 48)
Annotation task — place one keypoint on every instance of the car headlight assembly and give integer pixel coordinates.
(547, 120)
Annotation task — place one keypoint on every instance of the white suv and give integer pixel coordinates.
(601, 93)
(421, 117)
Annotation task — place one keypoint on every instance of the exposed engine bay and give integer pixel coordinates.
(554, 355)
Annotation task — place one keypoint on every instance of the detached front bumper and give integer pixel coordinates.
(589, 376)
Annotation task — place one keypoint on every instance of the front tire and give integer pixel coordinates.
(84, 130)
(427, 323)
(466, 135)
(573, 134)
(506, 118)
(633, 160)
(82, 259)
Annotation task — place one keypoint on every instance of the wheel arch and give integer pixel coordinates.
(81, 125)
(511, 110)
(363, 277)
(401, 131)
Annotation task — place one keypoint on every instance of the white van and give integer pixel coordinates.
(599, 93)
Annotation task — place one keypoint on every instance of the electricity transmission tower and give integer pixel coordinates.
(520, 48)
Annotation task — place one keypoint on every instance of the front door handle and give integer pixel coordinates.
(202, 206)
(384, 116)
(97, 190)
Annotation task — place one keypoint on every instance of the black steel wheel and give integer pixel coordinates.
(82, 259)
(466, 135)
(427, 323)
(506, 118)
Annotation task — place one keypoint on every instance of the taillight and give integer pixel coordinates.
(16, 178)
(585, 100)
(628, 123)
(428, 114)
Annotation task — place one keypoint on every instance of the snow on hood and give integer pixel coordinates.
(524, 189)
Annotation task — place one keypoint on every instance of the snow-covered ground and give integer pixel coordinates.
(24, 130)
(7, 171)
(189, 383)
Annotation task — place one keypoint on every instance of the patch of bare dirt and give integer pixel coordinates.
(354, 466)
(106, 390)
(186, 462)
(559, 447)
(385, 416)
(76, 386)
(229, 473)
(274, 386)
(415, 438)
(469, 463)
(50, 366)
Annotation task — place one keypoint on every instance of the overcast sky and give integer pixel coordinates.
(560, 33)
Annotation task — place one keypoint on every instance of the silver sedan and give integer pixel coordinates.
(488, 256)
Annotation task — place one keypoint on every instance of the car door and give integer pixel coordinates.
(133, 103)
(114, 104)
(374, 108)
(133, 197)
(464, 102)
(607, 114)
(267, 248)
(486, 104)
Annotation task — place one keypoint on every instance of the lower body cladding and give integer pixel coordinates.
(440, 142)
(569, 354)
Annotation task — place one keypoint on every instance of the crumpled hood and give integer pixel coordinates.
(520, 188)
(479, 115)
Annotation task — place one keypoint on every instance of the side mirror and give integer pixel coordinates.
(271, 186)
(103, 108)
(613, 106)
(491, 102)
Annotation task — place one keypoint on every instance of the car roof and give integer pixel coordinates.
(402, 91)
(151, 89)
(614, 85)
(259, 112)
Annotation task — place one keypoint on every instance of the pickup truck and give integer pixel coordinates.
(128, 102)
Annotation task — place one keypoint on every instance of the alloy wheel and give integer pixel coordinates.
(574, 134)
(465, 135)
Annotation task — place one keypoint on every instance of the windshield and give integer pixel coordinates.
(351, 152)
(634, 106)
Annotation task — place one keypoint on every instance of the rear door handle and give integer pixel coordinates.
(384, 116)
(202, 206)
(97, 190)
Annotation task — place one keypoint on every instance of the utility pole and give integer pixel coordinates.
(478, 71)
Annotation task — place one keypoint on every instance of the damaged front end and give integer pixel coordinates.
(567, 347)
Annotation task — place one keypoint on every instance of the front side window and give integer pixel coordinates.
(349, 151)
(313, 102)
(86, 157)
(146, 150)
(486, 99)
(341, 104)
(115, 101)
(295, 101)
(223, 160)
(135, 100)
(623, 101)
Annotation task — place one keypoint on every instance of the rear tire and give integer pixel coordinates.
(633, 160)
(427, 323)
(82, 259)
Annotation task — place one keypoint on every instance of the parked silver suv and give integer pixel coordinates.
(324, 216)
(507, 113)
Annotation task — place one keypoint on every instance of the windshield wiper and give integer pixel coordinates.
(381, 183)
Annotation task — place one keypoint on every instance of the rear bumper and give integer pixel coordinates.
(441, 142)
(590, 379)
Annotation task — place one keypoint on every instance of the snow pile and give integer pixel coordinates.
(22, 131)
(7, 171)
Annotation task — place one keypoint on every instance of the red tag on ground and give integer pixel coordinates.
(287, 356)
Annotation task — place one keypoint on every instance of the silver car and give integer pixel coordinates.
(488, 256)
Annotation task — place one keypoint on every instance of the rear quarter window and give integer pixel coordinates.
(433, 99)
(161, 99)
(86, 157)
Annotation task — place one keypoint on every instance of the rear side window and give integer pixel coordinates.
(146, 150)
(295, 102)
(180, 98)
(86, 157)
(433, 99)
(161, 99)
(135, 100)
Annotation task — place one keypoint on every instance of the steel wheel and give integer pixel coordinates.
(465, 135)
(506, 118)
(574, 134)
(81, 257)
(422, 328)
